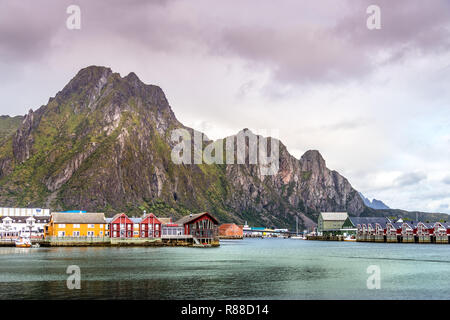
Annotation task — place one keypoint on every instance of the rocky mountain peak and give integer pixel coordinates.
(313, 161)
(103, 144)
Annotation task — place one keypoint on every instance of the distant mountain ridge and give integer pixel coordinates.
(103, 143)
(374, 204)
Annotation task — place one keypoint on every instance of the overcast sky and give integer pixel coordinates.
(375, 103)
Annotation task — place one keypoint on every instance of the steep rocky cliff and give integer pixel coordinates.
(8, 125)
(103, 144)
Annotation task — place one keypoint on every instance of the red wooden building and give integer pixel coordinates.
(121, 226)
(202, 226)
(150, 226)
(231, 231)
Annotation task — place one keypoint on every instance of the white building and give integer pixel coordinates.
(14, 226)
(24, 212)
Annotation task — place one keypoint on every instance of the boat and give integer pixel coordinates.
(349, 238)
(23, 242)
(297, 236)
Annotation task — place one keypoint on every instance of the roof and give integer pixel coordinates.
(382, 221)
(23, 219)
(229, 225)
(119, 215)
(258, 228)
(79, 218)
(397, 225)
(341, 216)
(165, 220)
(193, 217)
(150, 215)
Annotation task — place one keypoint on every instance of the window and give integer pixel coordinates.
(61, 226)
(76, 226)
(143, 227)
(91, 226)
(136, 233)
(101, 233)
(115, 226)
(76, 233)
(90, 233)
(129, 226)
(156, 226)
(136, 225)
(61, 234)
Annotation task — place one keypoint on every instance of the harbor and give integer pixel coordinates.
(252, 268)
(19, 228)
(337, 226)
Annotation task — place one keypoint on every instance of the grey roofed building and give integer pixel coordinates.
(79, 218)
(382, 221)
(331, 221)
(327, 216)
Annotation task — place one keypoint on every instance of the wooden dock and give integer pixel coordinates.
(405, 239)
(325, 238)
(173, 240)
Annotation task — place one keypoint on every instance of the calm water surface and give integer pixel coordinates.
(247, 269)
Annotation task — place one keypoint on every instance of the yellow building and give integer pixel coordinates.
(64, 224)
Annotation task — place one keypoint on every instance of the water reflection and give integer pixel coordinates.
(247, 269)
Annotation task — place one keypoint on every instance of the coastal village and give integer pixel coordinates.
(341, 226)
(24, 227)
(80, 228)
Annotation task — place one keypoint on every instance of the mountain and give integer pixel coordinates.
(374, 204)
(8, 125)
(103, 143)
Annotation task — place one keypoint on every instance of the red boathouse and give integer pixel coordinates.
(202, 226)
(121, 226)
(150, 226)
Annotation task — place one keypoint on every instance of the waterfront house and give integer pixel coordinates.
(367, 228)
(231, 231)
(121, 226)
(393, 231)
(331, 222)
(408, 231)
(440, 232)
(201, 226)
(30, 226)
(424, 232)
(150, 226)
(64, 224)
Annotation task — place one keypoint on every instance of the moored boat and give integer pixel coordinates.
(349, 238)
(23, 242)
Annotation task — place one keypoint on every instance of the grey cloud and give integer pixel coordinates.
(446, 180)
(299, 42)
(410, 178)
